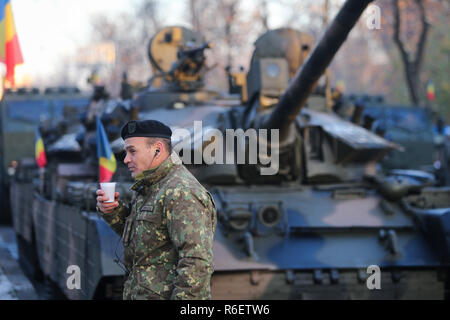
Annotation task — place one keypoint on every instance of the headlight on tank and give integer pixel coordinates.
(239, 218)
(269, 216)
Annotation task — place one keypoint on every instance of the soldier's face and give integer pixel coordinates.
(139, 155)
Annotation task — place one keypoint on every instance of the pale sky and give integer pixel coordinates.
(49, 30)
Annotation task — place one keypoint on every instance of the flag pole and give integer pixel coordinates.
(41, 180)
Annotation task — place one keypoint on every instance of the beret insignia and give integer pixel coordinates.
(131, 127)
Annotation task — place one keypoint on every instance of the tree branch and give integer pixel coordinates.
(396, 36)
(423, 36)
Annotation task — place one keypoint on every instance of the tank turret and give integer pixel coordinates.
(310, 145)
(301, 85)
(177, 57)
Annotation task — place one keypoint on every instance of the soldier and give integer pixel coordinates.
(168, 227)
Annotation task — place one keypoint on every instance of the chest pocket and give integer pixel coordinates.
(149, 231)
(147, 214)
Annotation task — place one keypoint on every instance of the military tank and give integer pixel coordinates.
(21, 112)
(316, 228)
(304, 215)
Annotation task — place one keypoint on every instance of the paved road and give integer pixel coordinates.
(14, 285)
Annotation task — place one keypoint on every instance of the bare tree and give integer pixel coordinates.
(195, 12)
(229, 9)
(147, 13)
(232, 32)
(130, 33)
(412, 62)
(262, 14)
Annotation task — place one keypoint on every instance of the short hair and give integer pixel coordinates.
(167, 143)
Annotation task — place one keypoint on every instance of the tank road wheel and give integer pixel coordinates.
(28, 259)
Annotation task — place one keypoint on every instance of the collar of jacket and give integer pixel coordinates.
(148, 177)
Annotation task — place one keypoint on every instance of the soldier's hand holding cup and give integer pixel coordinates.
(105, 203)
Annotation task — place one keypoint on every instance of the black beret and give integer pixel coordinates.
(145, 128)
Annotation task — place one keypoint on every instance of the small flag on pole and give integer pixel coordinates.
(10, 53)
(107, 161)
(40, 157)
(430, 91)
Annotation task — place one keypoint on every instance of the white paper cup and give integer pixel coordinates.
(109, 188)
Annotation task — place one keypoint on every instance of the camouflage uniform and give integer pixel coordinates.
(168, 235)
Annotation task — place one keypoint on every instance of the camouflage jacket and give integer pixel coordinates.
(167, 234)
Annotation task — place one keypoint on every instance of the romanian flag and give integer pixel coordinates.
(39, 153)
(10, 53)
(107, 161)
(430, 91)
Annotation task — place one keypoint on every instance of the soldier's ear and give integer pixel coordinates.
(159, 146)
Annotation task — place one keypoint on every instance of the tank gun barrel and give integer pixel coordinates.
(301, 85)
